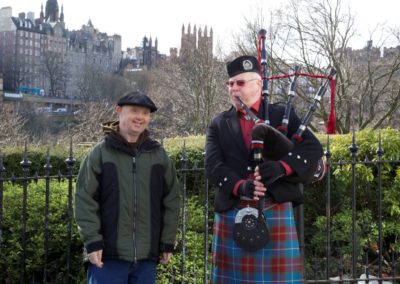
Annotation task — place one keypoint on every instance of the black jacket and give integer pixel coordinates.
(227, 157)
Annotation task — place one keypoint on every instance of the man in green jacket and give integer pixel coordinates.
(127, 199)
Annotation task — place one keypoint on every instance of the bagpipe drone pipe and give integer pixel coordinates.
(274, 143)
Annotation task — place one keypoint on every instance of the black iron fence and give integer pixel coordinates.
(338, 246)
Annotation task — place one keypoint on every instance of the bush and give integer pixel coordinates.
(366, 165)
(194, 249)
(38, 156)
(11, 246)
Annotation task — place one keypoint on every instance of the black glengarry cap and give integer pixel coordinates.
(242, 64)
(137, 98)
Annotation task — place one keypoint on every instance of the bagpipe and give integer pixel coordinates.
(273, 143)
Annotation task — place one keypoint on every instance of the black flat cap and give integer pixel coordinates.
(242, 64)
(137, 99)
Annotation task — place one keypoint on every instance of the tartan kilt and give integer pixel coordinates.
(278, 262)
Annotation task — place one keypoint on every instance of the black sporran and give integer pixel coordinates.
(250, 231)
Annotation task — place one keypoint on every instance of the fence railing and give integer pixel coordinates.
(334, 258)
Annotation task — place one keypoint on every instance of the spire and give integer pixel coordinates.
(145, 41)
(51, 14)
(41, 13)
(62, 14)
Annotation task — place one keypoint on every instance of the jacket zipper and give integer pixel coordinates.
(134, 209)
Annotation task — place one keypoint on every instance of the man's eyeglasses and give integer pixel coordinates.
(239, 83)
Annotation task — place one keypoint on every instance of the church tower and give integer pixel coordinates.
(150, 53)
(188, 41)
(52, 11)
(195, 41)
(205, 42)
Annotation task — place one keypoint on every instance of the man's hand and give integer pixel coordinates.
(252, 189)
(165, 257)
(269, 171)
(95, 258)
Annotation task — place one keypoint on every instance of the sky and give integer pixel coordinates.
(163, 19)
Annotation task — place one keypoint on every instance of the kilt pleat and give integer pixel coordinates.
(278, 262)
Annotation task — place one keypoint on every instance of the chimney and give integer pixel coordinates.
(31, 16)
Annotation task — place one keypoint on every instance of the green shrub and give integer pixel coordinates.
(194, 150)
(39, 156)
(11, 249)
(366, 165)
(194, 249)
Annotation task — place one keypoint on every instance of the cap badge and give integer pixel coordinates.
(247, 65)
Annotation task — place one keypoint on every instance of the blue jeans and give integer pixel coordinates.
(123, 272)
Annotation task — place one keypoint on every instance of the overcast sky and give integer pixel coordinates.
(163, 19)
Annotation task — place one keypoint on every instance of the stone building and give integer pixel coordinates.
(89, 47)
(143, 57)
(40, 56)
(25, 45)
(194, 41)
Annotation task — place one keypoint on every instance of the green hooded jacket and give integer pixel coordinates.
(127, 198)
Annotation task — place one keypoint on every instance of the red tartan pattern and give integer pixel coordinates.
(278, 262)
(248, 264)
(223, 261)
(279, 234)
(222, 230)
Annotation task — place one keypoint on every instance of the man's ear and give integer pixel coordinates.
(118, 109)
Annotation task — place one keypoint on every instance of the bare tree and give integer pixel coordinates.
(95, 85)
(55, 68)
(316, 35)
(17, 71)
(319, 31)
(88, 83)
(190, 91)
(140, 80)
(376, 89)
(367, 83)
(87, 127)
(112, 87)
(12, 127)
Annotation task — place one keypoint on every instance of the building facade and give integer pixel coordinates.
(25, 43)
(42, 57)
(88, 47)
